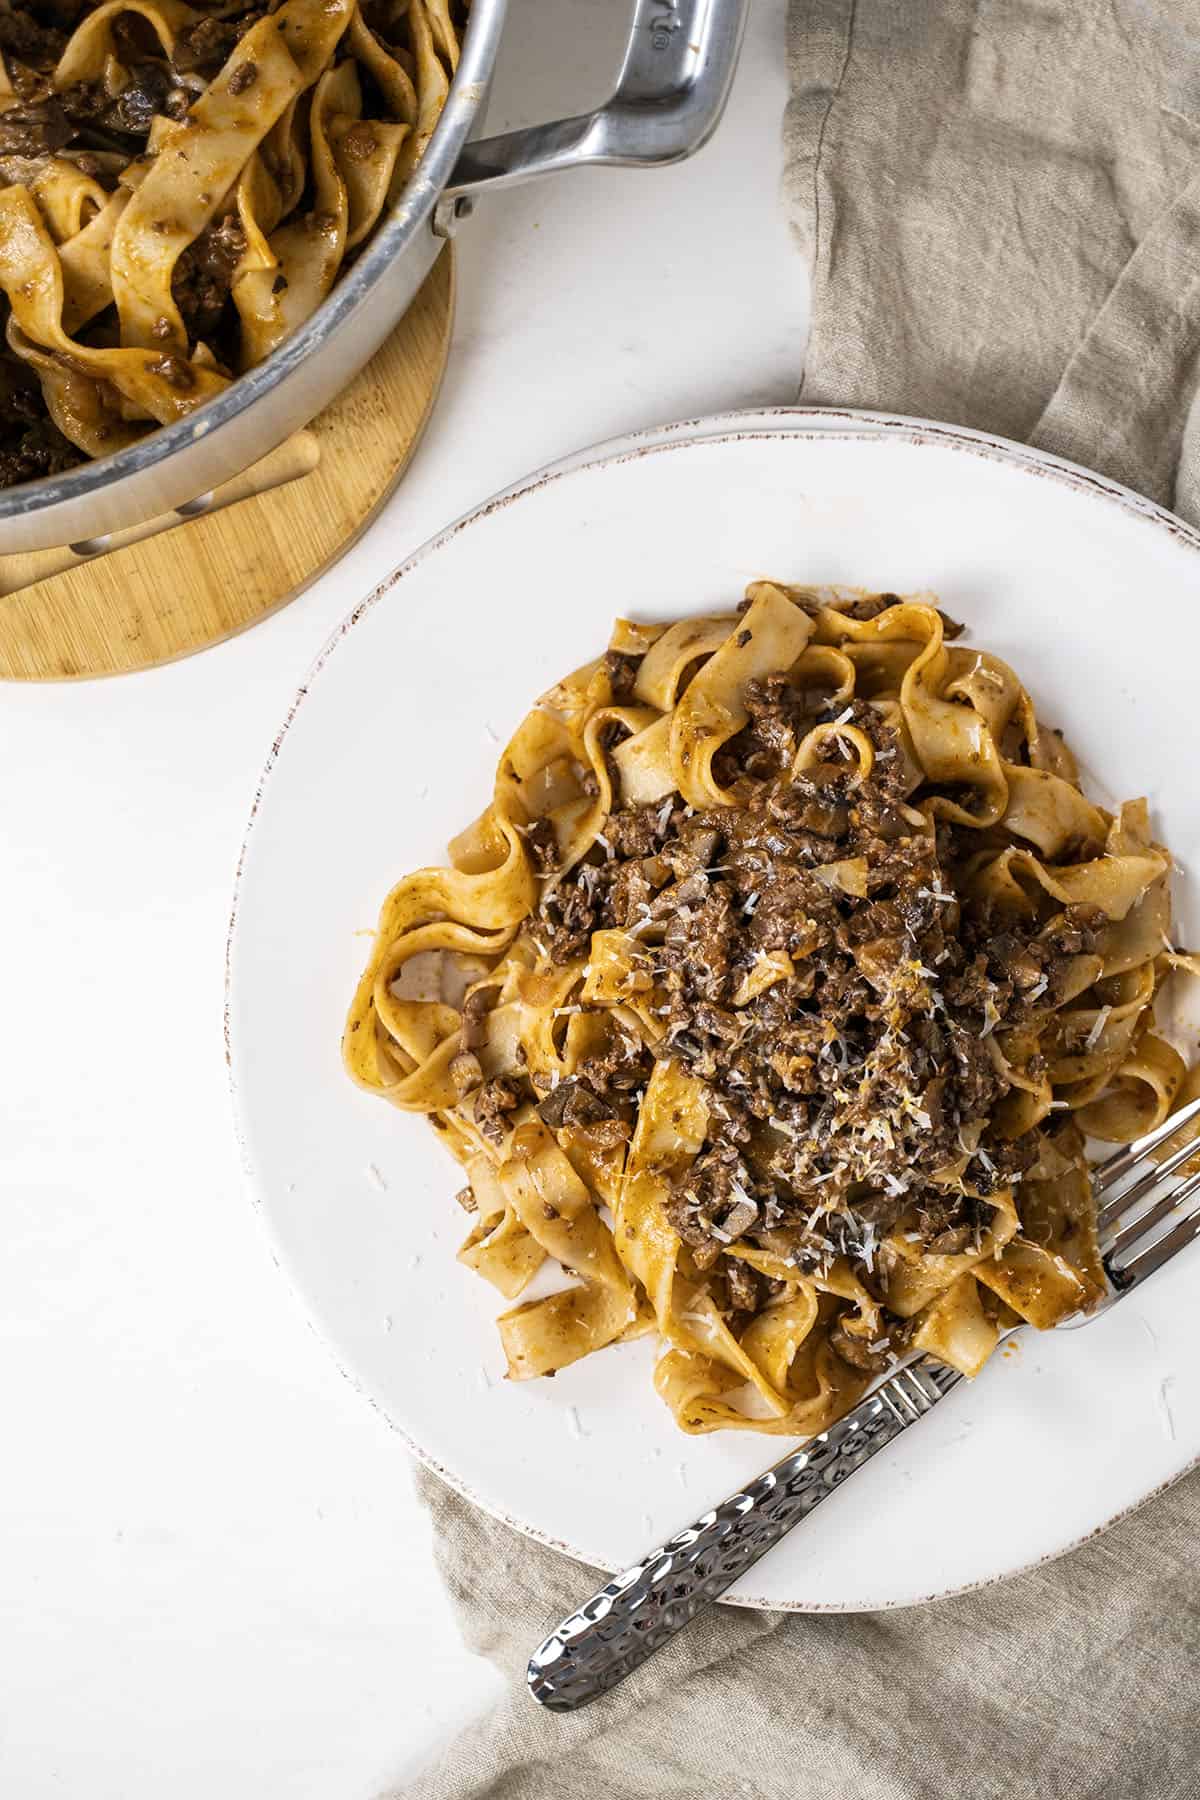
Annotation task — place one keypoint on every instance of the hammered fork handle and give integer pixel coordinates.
(641, 1609)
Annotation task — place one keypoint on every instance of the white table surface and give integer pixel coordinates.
(215, 1578)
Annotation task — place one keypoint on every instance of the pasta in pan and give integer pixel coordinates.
(180, 187)
(771, 1000)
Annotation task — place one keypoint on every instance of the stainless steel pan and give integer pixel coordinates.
(671, 91)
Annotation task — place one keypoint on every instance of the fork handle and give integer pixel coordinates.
(642, 1608)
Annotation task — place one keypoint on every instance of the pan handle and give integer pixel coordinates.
(295, 458)
(669, 97)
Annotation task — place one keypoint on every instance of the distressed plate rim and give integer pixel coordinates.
(849, 424)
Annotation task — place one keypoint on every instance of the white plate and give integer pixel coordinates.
(391, 747)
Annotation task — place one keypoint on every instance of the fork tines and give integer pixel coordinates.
(1119, 1204)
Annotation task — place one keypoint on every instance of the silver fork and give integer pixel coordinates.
(642, 1608)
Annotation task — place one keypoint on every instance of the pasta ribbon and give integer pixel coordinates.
(558, 1212)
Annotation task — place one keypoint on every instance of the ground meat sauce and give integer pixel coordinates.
(36, 37)
(203, 276)
(30, 446)
(85, 118)
(837, 1094)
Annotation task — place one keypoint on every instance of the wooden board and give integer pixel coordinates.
(211, 576)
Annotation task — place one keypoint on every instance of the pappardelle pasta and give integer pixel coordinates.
(772, 998)
(181, 184)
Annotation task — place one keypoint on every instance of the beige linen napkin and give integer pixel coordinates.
(1001, 201)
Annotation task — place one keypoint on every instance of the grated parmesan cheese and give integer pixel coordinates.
(1095, 1034)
